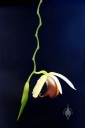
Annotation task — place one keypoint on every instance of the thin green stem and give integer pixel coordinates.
(36, 34)
(37, 39)
(41, 72)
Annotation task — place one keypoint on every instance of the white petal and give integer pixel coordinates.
(57, 83)
(39, 85)
(64, 78)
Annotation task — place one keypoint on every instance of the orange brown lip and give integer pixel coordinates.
(52, 90)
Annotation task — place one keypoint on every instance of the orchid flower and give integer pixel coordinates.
(53, 85)
(51, 78)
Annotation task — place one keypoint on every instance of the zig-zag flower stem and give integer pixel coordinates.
(37, 38)
(36, 34)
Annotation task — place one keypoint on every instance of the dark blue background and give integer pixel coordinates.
(62, 49)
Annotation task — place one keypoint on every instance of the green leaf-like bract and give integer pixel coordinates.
(24, 99)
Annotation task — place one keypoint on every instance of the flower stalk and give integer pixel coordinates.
(26, 86)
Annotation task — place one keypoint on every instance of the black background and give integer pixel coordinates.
(62, 50)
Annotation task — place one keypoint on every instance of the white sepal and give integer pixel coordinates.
(39, 85)
(64, 78)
